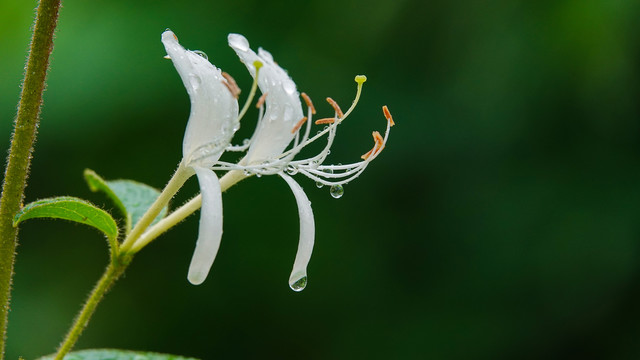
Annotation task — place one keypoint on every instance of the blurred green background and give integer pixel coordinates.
(500, 222)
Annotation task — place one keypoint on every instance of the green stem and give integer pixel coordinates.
(21, 148)
(111, 274)
(122, 260)
(175, 183)
(228, 180)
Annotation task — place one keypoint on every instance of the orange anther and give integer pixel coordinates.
(335, 107)
(377, 138)
(307, 99)
(366, 156)
(377, 146)
(231, 84)
(387, 114)
(299, 125)
(261, 100)
(325, 121)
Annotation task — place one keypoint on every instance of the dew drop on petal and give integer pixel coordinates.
(238, 42)
(195, 81)
(319, 184)
(299, 284)
(201, 54)
(289, 87)
(336, 191)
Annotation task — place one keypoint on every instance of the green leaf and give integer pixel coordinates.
(113, 354)
(131, 197)
(72, 209)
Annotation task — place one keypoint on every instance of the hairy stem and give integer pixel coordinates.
(24, 135)
(111, 274)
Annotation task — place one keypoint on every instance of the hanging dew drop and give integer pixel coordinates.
(299, 284)
(319, 184)
(336, 191)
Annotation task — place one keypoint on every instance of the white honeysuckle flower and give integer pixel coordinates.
(212, 122)
(277, 127)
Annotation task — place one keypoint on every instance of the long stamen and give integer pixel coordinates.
(261, 100)
(387, 114)
(299, 125)
(335, 107)
(231, 84)
(360, 79)
(252, 93)
(307, 99)
(325, 121)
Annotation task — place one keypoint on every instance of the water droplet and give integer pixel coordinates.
(238, 42)
(336, 191)
(291, 170)
(201, 54)
(289, 87)
(319, 184)
(194, 80)
(265, 55)
(258, 175)
(245, 142)
(299, 284)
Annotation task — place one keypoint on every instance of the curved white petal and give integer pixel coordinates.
(210, 230)
(298, 278)
(214, 111)
(283, 107)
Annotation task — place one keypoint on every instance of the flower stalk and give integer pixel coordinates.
(24, 135)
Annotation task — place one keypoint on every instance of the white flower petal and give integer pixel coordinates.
(283, 107)
(298, 278)
(210, 230)
(214, 110)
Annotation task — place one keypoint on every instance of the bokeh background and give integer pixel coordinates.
(501, 221)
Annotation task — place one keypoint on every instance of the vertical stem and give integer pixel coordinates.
(22, 141)
(111, 274)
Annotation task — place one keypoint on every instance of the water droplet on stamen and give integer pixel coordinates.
(299, 284)
(336, 191)
(201, 54)
(291, 170)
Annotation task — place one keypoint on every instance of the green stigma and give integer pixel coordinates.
(360, 79)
